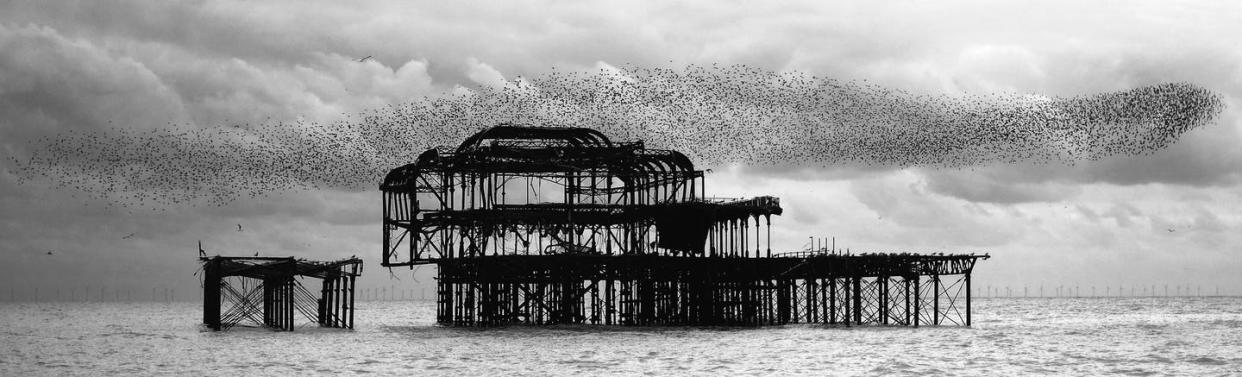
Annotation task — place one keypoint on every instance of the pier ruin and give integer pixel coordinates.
(268, 292)
(543, 225)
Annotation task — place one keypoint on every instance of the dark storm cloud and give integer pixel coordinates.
(518, 38)
(291, 33)
(60, 84)
(221, 29)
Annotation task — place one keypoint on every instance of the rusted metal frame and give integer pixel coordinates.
(882, 302)
(952, 292)
(918, 302)
(302, 297)
(967, 277)
(395, 245)
(246, 305)
(936, 300)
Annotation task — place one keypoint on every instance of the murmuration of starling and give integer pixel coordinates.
(716, 115)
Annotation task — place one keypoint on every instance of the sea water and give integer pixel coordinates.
(1011, 336)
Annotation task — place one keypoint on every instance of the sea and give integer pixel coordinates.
(1132, 336)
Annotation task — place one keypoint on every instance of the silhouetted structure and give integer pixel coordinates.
(266, 291)
(561, 225)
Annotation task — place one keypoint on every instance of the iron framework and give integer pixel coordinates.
(268, 292)
(544, 225)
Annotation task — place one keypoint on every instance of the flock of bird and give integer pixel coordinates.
(714, 114)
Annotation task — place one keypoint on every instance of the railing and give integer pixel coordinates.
(825, 252)
(759, 201)
(801, 254)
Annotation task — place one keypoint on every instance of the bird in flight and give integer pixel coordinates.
(49, 252)
(239, 227)
(128, 236)
(364, 59)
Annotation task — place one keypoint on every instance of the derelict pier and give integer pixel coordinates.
(268, 292)
(537, 225)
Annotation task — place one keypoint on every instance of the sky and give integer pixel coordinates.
(106, 67)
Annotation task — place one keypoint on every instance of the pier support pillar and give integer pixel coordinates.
(858, 300)
(967, 299)
(917, 300)
(935, 300)
(832, 301)
(211, 294)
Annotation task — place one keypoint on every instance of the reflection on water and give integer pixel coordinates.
(1088, 336)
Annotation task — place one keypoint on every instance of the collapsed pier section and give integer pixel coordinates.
(268, 292)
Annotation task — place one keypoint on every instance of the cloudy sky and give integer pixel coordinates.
(1171, 217)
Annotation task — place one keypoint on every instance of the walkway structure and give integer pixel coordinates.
(268, 291)
(562, 225)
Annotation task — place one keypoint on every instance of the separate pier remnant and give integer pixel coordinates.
(267, 291)
(540, 225)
